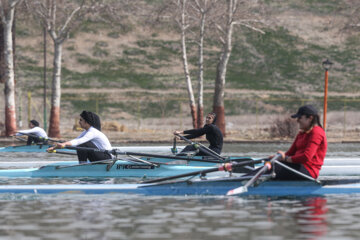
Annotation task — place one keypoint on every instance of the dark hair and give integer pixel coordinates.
(315, 120)
(214, 116)
(35, 123)
(92, 119)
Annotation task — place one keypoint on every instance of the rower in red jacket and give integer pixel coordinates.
(307, 153)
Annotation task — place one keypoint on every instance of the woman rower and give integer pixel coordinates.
(308, 150)
(35, 134)
(213, 135)
(91, 137)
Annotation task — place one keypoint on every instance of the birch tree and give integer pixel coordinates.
(202, 8)
(59, 17)
(7, 14)
(225, 25)
(182, 20)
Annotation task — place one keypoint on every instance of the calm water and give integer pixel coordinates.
(137, 217)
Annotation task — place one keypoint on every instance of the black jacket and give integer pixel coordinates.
(213, 135)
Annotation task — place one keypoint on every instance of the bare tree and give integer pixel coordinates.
(60, 17)
(182, 20)
(2, 61)
(202, 8)
(225, 25)
(7, 14)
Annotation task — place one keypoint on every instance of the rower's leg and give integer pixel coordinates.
(30, 140)
(284, 174)
(83, 156)
(188, 149)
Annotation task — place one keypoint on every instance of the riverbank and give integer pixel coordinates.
(152, 137)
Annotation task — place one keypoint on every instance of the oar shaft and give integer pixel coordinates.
(263, 169)
(215, 169)
(224, 167)
(202, 147)
(296, 172)
(143, 154)
(64, 153)
(85, 164)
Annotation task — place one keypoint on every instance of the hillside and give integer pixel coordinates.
(133, 75)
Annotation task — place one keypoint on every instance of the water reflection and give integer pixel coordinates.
(312, 220)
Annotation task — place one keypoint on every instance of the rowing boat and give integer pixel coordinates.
(200, 187)
(123, 168)
(119, 168)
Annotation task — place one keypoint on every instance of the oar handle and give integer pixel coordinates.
(201, 147)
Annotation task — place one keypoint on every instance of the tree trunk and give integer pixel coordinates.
(9, 91)
(54, 128)
(186, 67)
(2, 60)
(219, 107)
(200, 112)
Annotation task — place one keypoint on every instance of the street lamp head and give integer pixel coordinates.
(327, 64)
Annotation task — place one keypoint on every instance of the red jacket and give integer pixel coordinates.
(309, 149)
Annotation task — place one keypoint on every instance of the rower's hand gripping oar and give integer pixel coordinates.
(227, 167)
(41, 138)
(61, 152)
(202, 148)
(267, 166)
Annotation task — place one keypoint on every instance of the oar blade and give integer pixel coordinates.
(237, 191)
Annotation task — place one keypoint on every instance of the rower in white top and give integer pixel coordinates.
(91, 137)
(35, 134)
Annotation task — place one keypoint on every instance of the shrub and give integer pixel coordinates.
(284, 128)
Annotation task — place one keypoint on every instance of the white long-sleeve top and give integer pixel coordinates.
(95, 136)
(37, 131)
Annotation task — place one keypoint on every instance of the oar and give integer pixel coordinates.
(202, 148)
(228, 167)
(20, 139)
(64, 153)
(143, 161)
(296, 172)
(242, 189)
(117, 152)
(110, 161)
(41, 138)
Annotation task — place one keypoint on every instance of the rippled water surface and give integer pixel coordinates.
(117, 216)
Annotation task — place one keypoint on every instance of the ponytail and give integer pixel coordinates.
(315, 120)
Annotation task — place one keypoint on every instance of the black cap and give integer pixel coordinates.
(305, 110)
(35, 123)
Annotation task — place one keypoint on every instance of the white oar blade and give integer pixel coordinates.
(237, 191)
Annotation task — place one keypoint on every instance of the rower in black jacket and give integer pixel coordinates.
(213, 135)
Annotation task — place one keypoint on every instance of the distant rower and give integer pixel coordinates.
(213, 135)
(35, 134)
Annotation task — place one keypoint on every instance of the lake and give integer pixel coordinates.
(117, 216)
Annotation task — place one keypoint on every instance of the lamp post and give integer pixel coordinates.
(326, 65)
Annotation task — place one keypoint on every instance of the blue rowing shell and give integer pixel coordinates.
(119, 169)
(184, 188)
